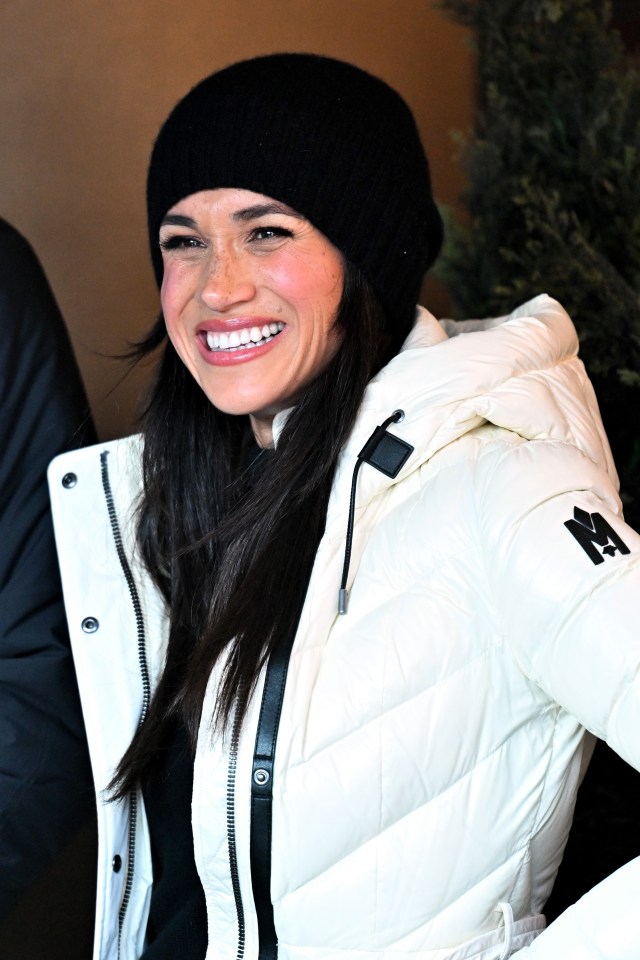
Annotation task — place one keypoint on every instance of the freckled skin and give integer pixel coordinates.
(231, 263)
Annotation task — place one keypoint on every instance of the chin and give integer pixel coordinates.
(243, 406)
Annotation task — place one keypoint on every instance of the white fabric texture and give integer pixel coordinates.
(431, 740)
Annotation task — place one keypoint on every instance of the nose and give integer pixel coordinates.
(227, 281)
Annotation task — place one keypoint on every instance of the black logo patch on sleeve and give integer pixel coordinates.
(592, 532)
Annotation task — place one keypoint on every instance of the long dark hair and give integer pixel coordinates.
(233, 558)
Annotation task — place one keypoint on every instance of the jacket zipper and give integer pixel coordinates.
(144, 675)
(231, 833)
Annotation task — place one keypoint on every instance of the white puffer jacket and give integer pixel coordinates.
(432, 739)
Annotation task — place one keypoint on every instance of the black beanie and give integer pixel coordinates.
(331, 141)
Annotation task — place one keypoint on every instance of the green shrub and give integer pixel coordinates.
(553, 191)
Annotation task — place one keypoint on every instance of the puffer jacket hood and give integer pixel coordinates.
(491, 371)
(520, 372)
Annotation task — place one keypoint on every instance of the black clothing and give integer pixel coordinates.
(45, 779)
(177, 924)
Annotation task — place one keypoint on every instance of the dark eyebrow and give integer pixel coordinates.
(177, 220)
(240, 216)
(265, 210)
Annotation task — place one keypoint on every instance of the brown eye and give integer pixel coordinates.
(269, 233)
(180, 242)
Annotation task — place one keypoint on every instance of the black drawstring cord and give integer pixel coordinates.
(387, 454)
(343, 596)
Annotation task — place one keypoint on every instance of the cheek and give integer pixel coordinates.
(171, 312)
(314, 288)
(168, 291)
(172, 301)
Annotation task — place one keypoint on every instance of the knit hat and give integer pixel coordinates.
(333, 142)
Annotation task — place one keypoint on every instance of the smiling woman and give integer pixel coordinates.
(250, 293)
(347, 593)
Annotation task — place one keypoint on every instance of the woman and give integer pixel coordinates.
(376, 577)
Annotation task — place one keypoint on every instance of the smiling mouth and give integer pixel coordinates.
(241, 339)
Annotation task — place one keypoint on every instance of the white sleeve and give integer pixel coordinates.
(566, 574)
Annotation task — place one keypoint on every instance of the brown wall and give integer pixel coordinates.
(85, 87)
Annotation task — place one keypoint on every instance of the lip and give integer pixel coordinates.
(241, 354)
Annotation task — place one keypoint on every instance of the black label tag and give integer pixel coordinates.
(386, 453)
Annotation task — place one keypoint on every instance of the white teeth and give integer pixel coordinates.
(247, 336)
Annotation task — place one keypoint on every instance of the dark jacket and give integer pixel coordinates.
(45, 780)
